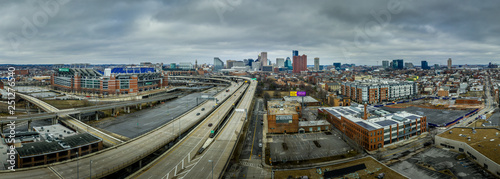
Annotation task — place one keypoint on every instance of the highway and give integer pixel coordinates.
(72, 122)
(53, 112)
(172, 161)
(222, 148)
(113, 159)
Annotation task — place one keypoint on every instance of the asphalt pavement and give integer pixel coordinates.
(251, 147)
(140, 122)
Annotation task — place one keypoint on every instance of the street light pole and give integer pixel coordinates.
(77, 166)
(212, 168)
(90, 169)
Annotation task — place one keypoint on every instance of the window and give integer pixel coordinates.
(485, 166)
(460, 149)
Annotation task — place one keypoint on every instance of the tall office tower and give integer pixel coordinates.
(316, 64)
(299, 63)
(425, 65)
(218, 64)
(245, 61)
(196, 64)
(269, 62)
(250, 61)
(449, 63)
(337, 65)
(295, 53)
(408, 65)
(263, 58)
(280, 62)
(436, 66)
(385, 64)
(288, 63)
(229, 63)
(397, 64)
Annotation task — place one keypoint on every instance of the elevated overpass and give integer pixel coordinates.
(179, 159)
(114, 159)
(221, 150)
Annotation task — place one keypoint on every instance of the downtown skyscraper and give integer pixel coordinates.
(299, 63)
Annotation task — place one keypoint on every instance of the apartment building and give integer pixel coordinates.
(375, 91)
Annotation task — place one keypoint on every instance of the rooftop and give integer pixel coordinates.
(313, 123)
(307, 99)
(484, 140)
(53, 131)
(377, 119)
(278, 107)
(45, 147)
(347, 169)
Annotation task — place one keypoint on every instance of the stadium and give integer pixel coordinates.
(111, 81)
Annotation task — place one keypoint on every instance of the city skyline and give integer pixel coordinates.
(171, 32)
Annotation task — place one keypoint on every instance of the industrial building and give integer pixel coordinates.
(373, 128)
(375, 91)
(480, 144)
(283, 117)
(111, 81)
(50, 144)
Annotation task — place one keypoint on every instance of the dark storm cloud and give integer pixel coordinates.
(174, 31)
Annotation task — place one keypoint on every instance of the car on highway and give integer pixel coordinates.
(197, 114)
(202, 109)
(210, 124)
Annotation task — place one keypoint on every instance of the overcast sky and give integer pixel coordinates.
(360, 32)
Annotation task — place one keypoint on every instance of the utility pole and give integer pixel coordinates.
(212, 168)
(77, 167)
(90, 169)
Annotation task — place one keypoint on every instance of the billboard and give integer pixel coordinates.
(293, 93)
(301, 93)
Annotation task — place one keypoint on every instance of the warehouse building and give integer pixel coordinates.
(373, 128)
(376, 91)
(111, 81)
(284, 117)
(480, 144)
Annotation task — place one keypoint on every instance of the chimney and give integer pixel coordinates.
(366, 114)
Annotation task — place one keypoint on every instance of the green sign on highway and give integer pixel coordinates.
(212, 131)
(64, 69)
(254, 79)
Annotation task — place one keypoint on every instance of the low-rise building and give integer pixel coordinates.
(283, 116)
(305, 100)
(480, 144)
(373, 128)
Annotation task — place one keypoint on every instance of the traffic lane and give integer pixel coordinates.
(140, 122)
(115, 159)
(222, 143)
(164, 165)
(30, 173)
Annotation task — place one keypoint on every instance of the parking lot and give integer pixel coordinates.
(439, 159)
(435, 116)
(302, 146)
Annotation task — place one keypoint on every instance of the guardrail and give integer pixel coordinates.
(115, 168)
(193, 152)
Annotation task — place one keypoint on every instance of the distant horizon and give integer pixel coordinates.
(359, 31)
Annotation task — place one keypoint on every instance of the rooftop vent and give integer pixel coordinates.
(450, 132)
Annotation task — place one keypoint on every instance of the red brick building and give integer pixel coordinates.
(377, 128)
(299, 63)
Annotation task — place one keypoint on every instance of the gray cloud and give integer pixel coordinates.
(173, 31)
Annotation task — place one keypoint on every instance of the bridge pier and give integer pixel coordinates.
(55, 120)
(29, 126)
(80, 116)
(28, 107)
(128, 109)
(96, 116)
(39, 111)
